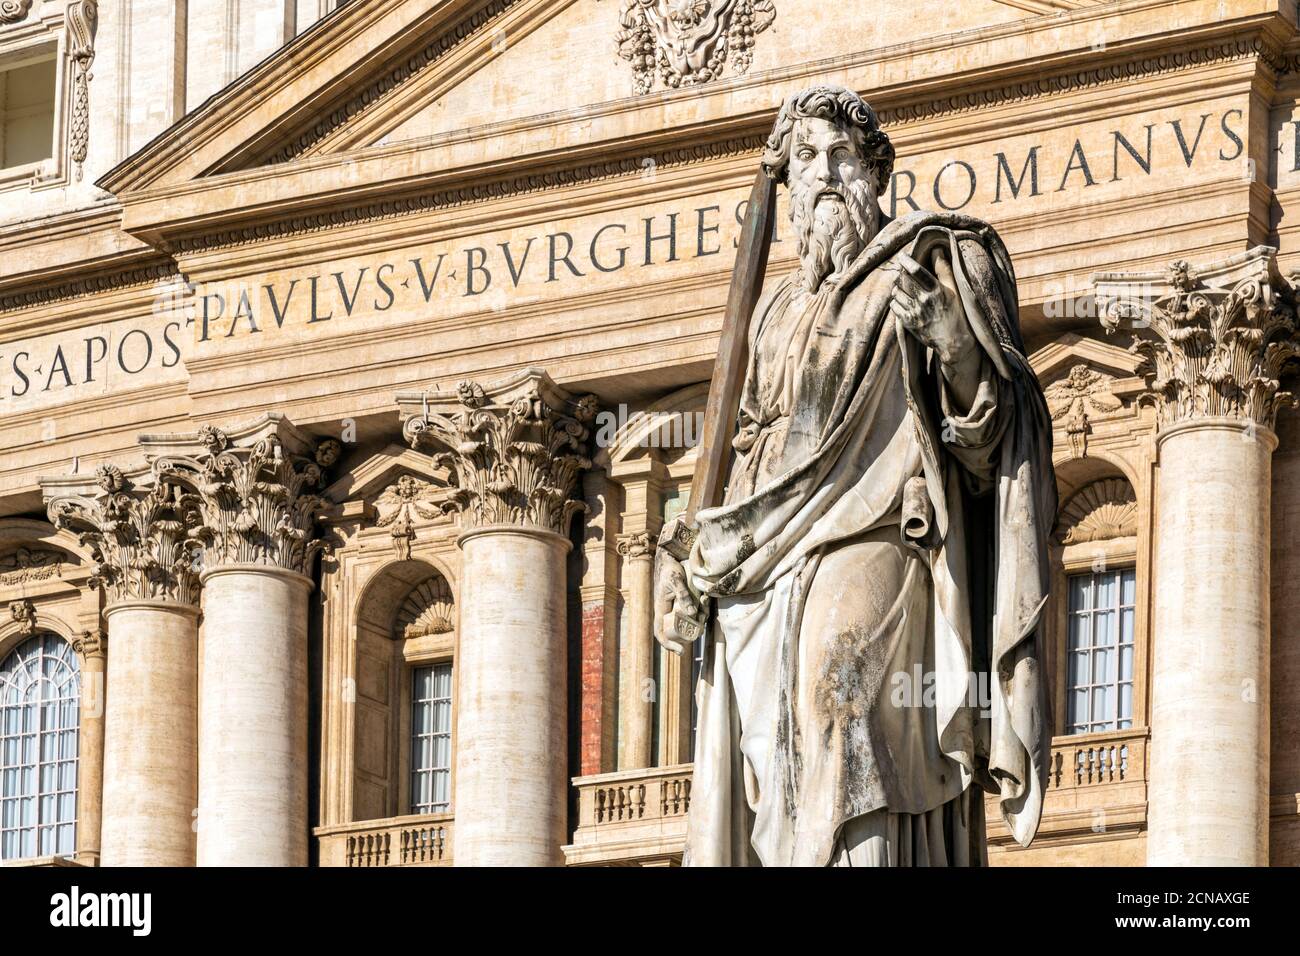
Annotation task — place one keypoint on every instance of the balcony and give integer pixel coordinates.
(631, 818)
(1096, 793)
(423, 840)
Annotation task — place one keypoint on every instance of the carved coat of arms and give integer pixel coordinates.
(689, 41)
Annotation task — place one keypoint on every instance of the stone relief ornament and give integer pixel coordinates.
(258, 503)
(429, 609)
(91, 644)
(637, 544)
(517, 460)
(11, 11)
(1098, 512)
(1082, 391)
(24, 613)
(83, 22)
(689, 41)
(404, 502)
(26, 565)
(144, 541)
(1213, 342)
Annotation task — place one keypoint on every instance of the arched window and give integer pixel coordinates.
(40, 688)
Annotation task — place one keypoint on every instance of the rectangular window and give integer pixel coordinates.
(27, 114)
(1099, 676)
(431, 739)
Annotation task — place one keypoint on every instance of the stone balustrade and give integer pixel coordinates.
(423, 840)
(635, 817)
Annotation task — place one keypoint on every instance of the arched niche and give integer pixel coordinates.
(405, 623)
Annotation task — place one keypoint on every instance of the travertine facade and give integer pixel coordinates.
(352, 357)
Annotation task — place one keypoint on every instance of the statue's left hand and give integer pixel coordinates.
(929, 308)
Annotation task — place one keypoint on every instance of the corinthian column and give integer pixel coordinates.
(1213, 343)
(517, 451)
(258, 507)
(141, 539)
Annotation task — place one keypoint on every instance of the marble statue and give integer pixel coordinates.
(868, 588)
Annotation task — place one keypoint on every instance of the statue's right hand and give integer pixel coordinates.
(679, 616)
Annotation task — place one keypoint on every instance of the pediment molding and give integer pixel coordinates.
(200, 186)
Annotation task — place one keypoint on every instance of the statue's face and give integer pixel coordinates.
(832, 199)
(824, 157)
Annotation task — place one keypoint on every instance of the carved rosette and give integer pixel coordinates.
(144, 541)
(83, 22)
(637, 544)
(11, 11)
(517, 459)
(689, 41)
(403, 503)
(1212, 351)
(258, 503)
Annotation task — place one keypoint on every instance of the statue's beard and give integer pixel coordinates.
(830, 234)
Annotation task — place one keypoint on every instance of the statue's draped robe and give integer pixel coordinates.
(878, 544)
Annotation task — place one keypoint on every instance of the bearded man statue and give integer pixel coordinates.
(870, 587)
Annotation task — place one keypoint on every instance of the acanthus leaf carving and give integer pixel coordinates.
(1209, 350)
(144, 541)
(517, 457)
(689, 41)
(258, 503)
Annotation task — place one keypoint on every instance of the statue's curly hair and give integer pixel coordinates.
(839, 105)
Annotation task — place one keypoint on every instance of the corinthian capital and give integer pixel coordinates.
(517, 449)
(256, 491)
(1213, 340)
(142, 532)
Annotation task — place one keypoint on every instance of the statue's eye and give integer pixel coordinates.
(805, 154)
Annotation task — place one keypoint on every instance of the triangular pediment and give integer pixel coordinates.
(385, 95)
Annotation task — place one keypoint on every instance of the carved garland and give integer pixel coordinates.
(83, 22)
(516, 463)
(1082, 392)
(403, 503)
(1215, 352)
(689, 41)
(27, 565)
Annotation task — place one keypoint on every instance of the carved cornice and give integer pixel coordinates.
(88, 286)
(478, 192)
(372, 94)
(144, 540)
(1098, 512)
(637, 544)
(402, 503)
(1213, 341)
(258, 502)
(1120, 71)
(517, 450)
(11, 11)
(29, 565)
(1083, 392)
(689, 41)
